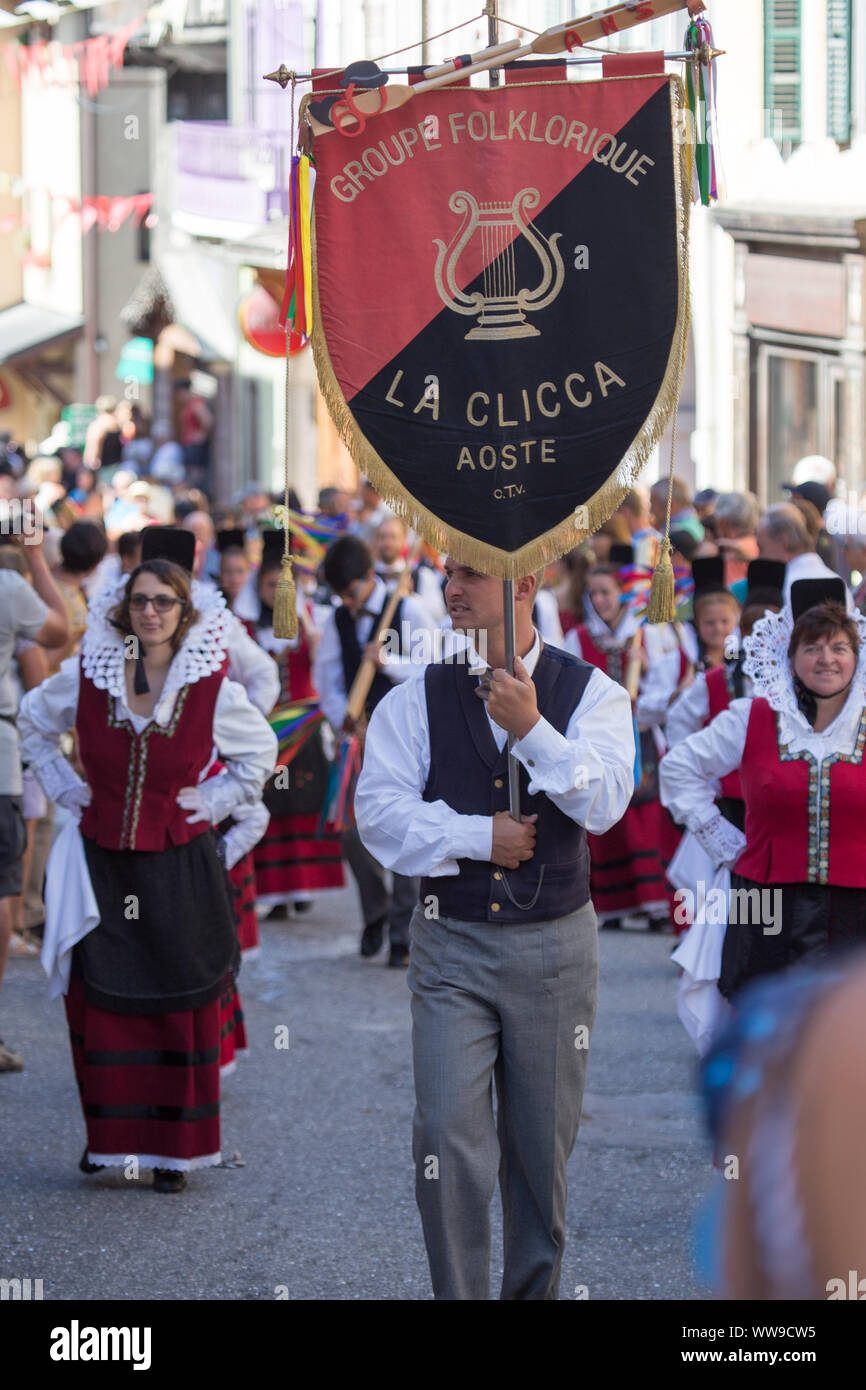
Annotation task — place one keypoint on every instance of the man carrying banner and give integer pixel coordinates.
(503, 966)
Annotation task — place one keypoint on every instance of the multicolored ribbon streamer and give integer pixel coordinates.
(635, 582)
(293, 725)
(338, 807)
(296, 311)
(314, 534)
(701, 95)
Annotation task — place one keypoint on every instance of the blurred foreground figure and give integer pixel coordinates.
(786, 1102)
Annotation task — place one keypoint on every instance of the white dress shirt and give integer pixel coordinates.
(588, 773)
(328, 676)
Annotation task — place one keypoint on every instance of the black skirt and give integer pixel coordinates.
(813, 920)
(166, 939)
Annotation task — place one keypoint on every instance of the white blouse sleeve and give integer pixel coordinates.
(247, 745)
(689, 712)
(688, 774)
(250, 824)
(253, 668)
(47, 713)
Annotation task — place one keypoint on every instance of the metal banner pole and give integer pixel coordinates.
(513, 765)
(507, 584)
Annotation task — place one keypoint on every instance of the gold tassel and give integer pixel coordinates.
(285, 606)
(661, 607)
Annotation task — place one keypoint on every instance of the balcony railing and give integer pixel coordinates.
(232, 173)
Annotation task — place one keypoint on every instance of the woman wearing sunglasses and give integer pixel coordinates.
(149, 700)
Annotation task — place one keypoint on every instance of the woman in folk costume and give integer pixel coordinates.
(798, 872)
(294, 860)
(240, 831)
(690, 871)
(627, 869)
(715, 686)
(155, 948)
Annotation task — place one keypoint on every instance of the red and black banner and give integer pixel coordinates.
(499, 288)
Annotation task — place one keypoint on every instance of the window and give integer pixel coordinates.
(782, 75)
(839, 71)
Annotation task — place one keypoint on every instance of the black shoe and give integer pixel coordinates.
(168, 1180)
(305, 905)
(86, 1166)
(399, 957)
(371, 941)
(278, 913)
(612, 924)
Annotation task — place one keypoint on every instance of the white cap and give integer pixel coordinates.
(814, 468)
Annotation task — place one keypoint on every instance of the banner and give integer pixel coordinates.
(500, 301)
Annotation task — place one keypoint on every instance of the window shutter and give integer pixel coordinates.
(839, 70)
(782, 40)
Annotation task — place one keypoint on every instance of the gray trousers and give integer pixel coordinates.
(376, 901)
(513, 1004)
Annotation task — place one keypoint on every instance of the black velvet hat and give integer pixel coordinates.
(809, 593)
(273, 542)
(708, 572)
(765, 581)
(233, 538)
(621, 555)
(168, 543)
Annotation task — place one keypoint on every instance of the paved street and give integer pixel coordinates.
(324, 1205)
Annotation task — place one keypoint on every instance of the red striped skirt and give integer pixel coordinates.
(627, 873)
(291, 859)
(233, 1033)
(243, 880)
(149, 1084)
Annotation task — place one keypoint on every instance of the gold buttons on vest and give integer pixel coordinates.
(497, 781)
(497, 876)
(494, 907)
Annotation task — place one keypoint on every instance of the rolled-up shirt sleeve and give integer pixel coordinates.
(399, 828)
(689, 773)
(588, 772)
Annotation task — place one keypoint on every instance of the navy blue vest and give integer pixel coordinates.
(351, 652)
(468, 773)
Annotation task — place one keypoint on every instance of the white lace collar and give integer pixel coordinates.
(770, 671)
(202, 651)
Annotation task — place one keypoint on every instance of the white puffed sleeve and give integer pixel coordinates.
(688, 774)
(251, 822)
(252, 668)
(47, 713)
(247, 745)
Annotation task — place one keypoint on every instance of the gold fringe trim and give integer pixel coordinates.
(587, 516)
(285, 603)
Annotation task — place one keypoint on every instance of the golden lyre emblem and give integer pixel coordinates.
(500, 307)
